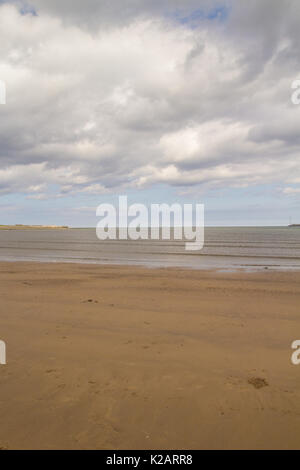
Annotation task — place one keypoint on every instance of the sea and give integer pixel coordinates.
(225, 248)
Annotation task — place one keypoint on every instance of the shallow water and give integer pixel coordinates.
(227, 248)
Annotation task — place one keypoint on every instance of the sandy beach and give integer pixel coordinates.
(109, 357)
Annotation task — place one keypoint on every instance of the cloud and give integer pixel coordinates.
(106, 96)
(291, 191)
(93, 14)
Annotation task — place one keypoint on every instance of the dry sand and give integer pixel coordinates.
(108, 357)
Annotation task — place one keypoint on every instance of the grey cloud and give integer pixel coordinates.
(104, 13)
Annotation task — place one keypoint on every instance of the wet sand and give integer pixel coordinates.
(109, 357)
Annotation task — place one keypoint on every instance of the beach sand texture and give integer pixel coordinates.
(109, 357)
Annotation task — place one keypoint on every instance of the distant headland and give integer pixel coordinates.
(32, 227)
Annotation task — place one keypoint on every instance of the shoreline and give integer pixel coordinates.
(247, 269)
(122, 357)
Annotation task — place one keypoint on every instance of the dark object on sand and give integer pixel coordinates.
(258, 382)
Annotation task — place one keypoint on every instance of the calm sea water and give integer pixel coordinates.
(224, 248)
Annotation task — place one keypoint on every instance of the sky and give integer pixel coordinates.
(164, 101)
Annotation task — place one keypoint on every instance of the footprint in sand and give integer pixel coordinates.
(258, 382)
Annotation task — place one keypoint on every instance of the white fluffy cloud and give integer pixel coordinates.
(102, 97)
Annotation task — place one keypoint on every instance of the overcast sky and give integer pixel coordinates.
(165, 101)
